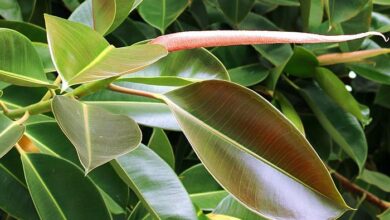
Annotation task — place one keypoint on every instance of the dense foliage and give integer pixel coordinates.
(103, 119)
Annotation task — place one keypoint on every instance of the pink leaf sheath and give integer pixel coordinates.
(196, 39)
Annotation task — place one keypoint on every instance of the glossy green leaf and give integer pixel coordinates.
(302, 57)
(10, 10)
(195, 65)
(31, 31)
(90, 130)
(312, 12)
(377, 179)
(161, 13)
(20, 63)
(55, 143)
(160, 144)
(44, 53)
(236, 10)
(91, 56)
(241, 140)
(10, 133)
(60, 190)
(248, 75)
(339, 11)
(15, 198)
(97, 14)
(161, 192)
(197, 179)
(335, 89)
(208, 201)
(343, 127)
(288, 110)
(230, 206)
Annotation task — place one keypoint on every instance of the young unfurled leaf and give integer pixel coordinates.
(10, 133)
(91, 56)
(60, 190)
(20, 63)
(251, 148)
(155, 183)
(97, 135)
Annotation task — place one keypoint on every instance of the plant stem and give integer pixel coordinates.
(348, 185)
(133, 91)
(197, 39)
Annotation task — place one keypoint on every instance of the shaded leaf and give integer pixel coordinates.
(383, 96)
(377, 179)
(339, 11)
(248, 75)
(302, 57)
(44, 53)
(312, 13)
(241, 140)
(31, 31)
(160, 192)
(10, 10)
(91, 56)
(89, 129)
(161, 13)
(160, 144)
(20, 64)
(343, 127)
(10, 133)
(60, 190)
(236, 10)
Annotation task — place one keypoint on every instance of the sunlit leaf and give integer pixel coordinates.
(20, 63)
(161, 192)
(91, 56)
(60, 190)
(90, 130)
(229, 206)
(242, 140)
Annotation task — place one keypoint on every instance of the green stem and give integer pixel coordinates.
(45, 106)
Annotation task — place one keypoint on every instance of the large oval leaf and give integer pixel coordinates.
(252, 148)
(90, 130)
(60, 190)
(10, 133)
(161, 192)
(91, 56)
(20, 64)
(161, 13)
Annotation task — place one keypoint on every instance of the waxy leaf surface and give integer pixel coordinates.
(10, 133)
(98, 135)
(19, 62)
(155, 183)
(91, 55)
(251, 149)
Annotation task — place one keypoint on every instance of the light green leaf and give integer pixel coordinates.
(155, 184)
(10, 10)
(161, 13)
(288, 110)
(335, 89)
(248, 75)
(343, 127)
(60, 190)
(44, 53)
(377, 179)
(20, 62)
(250, 142)
(236, 10)
(90, 130)
(15, 198)
(112, 188)
(208, 200)
(160, 144)
(91, 56)
(10, 133)
(384, 215)
(312, 13)
(230, 206)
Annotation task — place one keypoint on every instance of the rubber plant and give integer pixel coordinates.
(105, 116)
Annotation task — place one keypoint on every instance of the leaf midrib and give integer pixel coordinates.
(239, 146)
